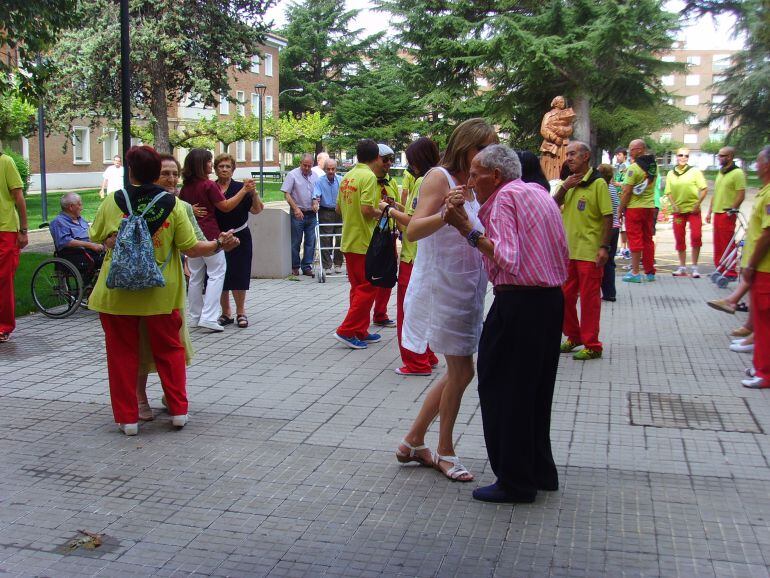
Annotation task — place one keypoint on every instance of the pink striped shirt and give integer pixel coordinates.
(524, 223)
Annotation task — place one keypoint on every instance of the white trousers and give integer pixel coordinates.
(206, 308)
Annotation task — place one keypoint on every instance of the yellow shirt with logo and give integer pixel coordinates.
(10, 179)
(584, 211)
(406, 184)
(759, 222)
(684, 188)
(409, 248)
(358, 188)
(634, 176)
(725, 188)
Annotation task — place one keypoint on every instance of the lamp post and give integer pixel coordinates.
(260, 90)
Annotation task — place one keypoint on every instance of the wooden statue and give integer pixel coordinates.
(556, 129)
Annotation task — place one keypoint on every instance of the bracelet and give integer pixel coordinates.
(607, 247)
(219, 246)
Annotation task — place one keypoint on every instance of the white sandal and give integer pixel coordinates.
(456, 472)
(412, 455)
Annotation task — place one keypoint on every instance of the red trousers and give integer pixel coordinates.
(724, 228)
(362, 297)
(121, 334)
(760, 315)
(381, 299)
(584, 279)
(680, 229)
(9, 261)
(639, 226)
(414, 362)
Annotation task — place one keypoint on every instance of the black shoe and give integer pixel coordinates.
(496, 494)
(610, 299)
(307, 272)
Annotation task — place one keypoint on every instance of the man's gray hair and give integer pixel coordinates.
(502, 158)
(307, 156)
(328, 161)
(68, 199)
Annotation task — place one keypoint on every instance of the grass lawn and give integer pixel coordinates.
(91, 203)
(21, 282)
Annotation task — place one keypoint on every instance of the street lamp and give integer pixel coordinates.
(300, 89)
(260, 90)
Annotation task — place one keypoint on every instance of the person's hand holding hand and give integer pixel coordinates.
(250, 185)
(228, 240)
(455, 215)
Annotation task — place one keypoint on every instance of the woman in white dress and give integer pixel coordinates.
(444, 303)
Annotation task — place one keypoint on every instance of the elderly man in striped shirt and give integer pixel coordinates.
(524, 249)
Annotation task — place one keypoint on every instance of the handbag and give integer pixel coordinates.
(381, 264)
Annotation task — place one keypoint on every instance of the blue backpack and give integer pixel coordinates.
(133, 265)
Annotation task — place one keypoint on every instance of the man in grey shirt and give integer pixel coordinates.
(298, 190)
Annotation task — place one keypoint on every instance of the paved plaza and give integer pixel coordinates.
(287, 466)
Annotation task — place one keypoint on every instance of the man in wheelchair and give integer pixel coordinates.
(70, 238)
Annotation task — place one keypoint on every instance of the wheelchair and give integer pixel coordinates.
(64, 282)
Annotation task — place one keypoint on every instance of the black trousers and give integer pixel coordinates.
(517, 363)
(608, 280)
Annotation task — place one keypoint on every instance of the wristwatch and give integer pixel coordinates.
(473, 237)
(23, 231)
(219, 246)
(605, 247)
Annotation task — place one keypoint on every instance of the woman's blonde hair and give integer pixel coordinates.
(224, 157)
(470, 134)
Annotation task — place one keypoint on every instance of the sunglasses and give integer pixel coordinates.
(722, 156)
(684, 156)
(388, 158)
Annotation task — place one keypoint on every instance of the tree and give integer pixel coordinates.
(17, 116)
(378, 105)
(746, 82)
(179, 48)
(322, 53)
(29, 29)
(620, 125)
(300, 133)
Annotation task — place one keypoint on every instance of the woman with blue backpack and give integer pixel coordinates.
(141, 279)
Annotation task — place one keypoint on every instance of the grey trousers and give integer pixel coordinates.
(330, 246)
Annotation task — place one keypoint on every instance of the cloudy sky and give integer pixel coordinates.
(703, 34)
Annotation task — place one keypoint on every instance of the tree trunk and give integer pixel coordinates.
(159, 109)
(582, 107)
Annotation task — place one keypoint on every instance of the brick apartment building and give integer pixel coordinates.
(693, 91)
(91, 151)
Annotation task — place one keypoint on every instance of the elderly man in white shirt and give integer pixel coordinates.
(113, 177)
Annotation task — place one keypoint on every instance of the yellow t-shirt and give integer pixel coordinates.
(583, 212)
(684, 188)
(406, 185)
(759, 221)
(634, 176)
(9, 179)
(358, 188)
(409, 248)
(725, 188)
(176, 232)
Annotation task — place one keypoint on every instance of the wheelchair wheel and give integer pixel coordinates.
(57, 288)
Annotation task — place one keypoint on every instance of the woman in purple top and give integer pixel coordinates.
(198, 189)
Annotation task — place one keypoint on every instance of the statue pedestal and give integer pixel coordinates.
(271, 241)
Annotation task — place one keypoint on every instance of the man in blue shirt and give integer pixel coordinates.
(326, 189)
(70, 236)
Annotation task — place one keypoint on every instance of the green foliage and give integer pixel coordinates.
(22, 281)
(21, 165)
(17, 116)
(299, 134)
(620, 125)
(30, 29)
(321, 53)
(178, 48)
(712, 146)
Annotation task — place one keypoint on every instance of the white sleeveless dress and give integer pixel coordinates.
(444, 303)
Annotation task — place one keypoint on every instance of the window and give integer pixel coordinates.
(268, 65)
(255, 64)
(240, 151)
(669, 58)
(692, 100)
(721, 61)
(718, 126)
(667, 80)
(717, 78)
(224, 104)
(255, 150)
(691, 138)
(268, 106)
(717, 99)
(81, 146)
(692, 80)
(110, 146)
(240, 96)
(269, 148)
(693, 60)
(693, 119)
(255, 104)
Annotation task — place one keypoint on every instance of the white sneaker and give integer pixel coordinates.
(130, 429)
(338, 270)
(742, 348)
(680, 272)
(328, 271)
(212, 325)
(179, 420)
(695, 274)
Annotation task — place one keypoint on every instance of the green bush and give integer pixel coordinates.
(21, 165)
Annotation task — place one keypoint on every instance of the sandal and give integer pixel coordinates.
(242, 321)
(225, 320)
(5, 337)
(413, 456)
(456, 472)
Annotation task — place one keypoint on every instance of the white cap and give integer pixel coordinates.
(385, 150)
